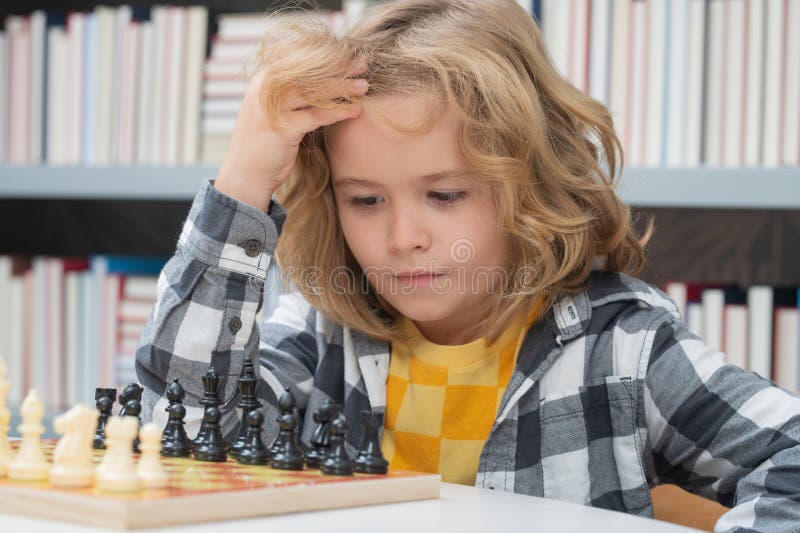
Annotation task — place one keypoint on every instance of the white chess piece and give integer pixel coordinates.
(150, 469)
(72, 458)
(30, 463)
(117, 471)
(5, 417)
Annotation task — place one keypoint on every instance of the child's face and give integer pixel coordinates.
(396, 220)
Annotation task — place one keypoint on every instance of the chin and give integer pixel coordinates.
(422, 310)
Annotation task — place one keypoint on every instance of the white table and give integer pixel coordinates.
(460, 508)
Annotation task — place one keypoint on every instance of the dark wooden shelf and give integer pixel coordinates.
(738, 246)
(83, 227)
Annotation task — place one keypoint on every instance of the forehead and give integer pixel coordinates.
(367, 147)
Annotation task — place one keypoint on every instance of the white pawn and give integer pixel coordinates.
(72, 458)
(150, 469)
(5, 417)
(30, 463)
(117, 471)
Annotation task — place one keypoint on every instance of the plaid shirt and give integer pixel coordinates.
(610, 396)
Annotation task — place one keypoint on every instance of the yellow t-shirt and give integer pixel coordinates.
(442, 400)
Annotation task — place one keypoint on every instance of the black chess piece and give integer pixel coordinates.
(104, 401)
(213, 448)
(286, 452)
(132, 391)
(253, 452)
(133, 407)
(338, 462)
(320, 439)
(286, 404)
(248, 382)
(370, 458)
(210, 398)
(174, 441)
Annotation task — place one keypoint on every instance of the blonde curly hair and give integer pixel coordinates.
(548, 151)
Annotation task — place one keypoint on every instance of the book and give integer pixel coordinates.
(713, 305)
(787, 343)
(695, 82)
(713, 83)
(734, 58)
(18, 31)
(790, 151)
(142, 288)
(759, 306)
(620, 67)
(145, 95)
(197, 29)
(675, 79)
(4, 96)
(754, 82)
(636, 111)
(657, 62)
(735, 331)
(773, 77)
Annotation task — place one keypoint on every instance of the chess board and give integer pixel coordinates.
(204, 492)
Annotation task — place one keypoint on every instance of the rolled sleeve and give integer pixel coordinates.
(223, 232)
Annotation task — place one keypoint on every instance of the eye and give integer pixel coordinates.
(443, 198)
(364, 201)
(448, 198)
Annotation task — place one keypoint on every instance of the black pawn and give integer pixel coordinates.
(105, 404)
(253, 452)
(338, 462)
(174, 441)
(370, 458)
(248, 382)
(213, 447)
(286, 451)
(286, 404)
(133, 407)
(320, 438)
(210, 398)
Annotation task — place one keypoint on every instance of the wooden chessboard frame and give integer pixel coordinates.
(205, 492)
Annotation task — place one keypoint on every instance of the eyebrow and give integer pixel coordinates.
(436, 176)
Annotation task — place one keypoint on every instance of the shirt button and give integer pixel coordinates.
(235, 324)
(252, 248)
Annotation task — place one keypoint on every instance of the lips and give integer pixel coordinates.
(415, 275)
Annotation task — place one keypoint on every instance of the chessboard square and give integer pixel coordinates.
(469, 412)
(421, 410)
(398, 365)
(199, 329)
(416, 452)
(485, 374)
(459, 460)
(426, 374)
(395, 391)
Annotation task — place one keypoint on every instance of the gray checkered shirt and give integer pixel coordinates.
(611, 394)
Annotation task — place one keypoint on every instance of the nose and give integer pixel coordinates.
(407, 231)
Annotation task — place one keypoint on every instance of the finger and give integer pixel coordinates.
(335, 89)
(357, 67)
(310, 119)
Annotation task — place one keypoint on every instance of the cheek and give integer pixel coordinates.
(359, 238)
